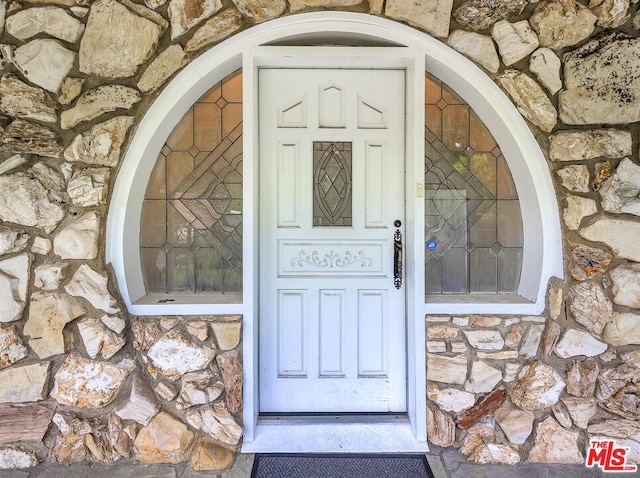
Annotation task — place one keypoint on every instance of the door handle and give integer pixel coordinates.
(397, 255)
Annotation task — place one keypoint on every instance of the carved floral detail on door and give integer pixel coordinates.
(331, 259)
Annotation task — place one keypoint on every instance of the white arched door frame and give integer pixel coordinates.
(416, 52)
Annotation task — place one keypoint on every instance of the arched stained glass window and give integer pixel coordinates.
(473, 223)
(191, 223)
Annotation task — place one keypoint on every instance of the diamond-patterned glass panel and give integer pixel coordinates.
(473, 224)
(332, 184)
(191, 223)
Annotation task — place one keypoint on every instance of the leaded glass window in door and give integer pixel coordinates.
(473, 224)
(191, 222)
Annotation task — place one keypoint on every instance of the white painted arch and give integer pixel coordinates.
(543, 241)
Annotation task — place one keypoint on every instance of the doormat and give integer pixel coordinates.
(340, 466)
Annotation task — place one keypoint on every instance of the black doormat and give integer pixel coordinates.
(340, 466)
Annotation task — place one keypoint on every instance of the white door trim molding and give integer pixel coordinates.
(543, 258)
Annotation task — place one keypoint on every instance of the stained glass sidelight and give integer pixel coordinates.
(473, 224)
(332, 184)
(191, 223)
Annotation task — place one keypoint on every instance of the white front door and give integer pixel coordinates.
(332, 321)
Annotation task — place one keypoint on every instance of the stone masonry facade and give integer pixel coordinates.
(83, 380)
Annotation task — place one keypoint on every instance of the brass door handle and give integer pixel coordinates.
(397, 255)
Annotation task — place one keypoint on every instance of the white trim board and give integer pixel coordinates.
(543, 258)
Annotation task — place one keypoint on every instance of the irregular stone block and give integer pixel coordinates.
(555, 302)
(581, 378)
(624, 329)
(12, 241)
(24, 422)
(161, 68)
(199, 329)
(626, 433)
(69, 90)
(529, 98)
(603, 172)
(85, 383)
(588, 261)
(297, 5)
(484, 339)
(218, 28)
(626, 285)
(44, 62)
(24, 383)
(545, 64)
(117, 51)
(611, 13)
(620, 235)
(88, 187)
(479, 434)
(41, 245)
(580, 409)
(441, 428)
(513, 337)
(11, 347)
(186, 14)
(79, 240)
(96, 102)
(16, 459)
(227, 334)
(550, 338)
(48, 315)
(215, 420)
(577, 342)
(482, 378)
(210, 456)
(174, 355)
(447, 369)
(621, 192)
(480, 48)
(20, 100)
(591, 144)
(165, 440)
(52, 21)
(92, 286)
(590, 306)
(450, 399)
(539, 386)
(50, 276)
(25, 137)
(98, 339)
(555, 444)
(230, 365)
(531, 342)
(494, 453)
(101, 144)
(575, 178)
(197, 390)
(577, 209)
(433, 16)
(563, 23)
(611, 96)
(485, 406)
(515, 40)
(141, 405)
(481, 14)
(515, 423)
(261, 10)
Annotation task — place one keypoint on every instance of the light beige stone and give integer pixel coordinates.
(50, 276)
(186, 14)
(590, 144)
(459, 347)
(96, 102)
(575, 178)
(441, 428)
(230, 365)
(611, 13)
(515, 40)
(215, 420)
(79, 240)
(16, 459)
(80, 382)
(529, 347)
(545, 64)
(218, 28)
(261, 10)
(145, 334)
(11, 305)
(555, 444)
(450, 399)
(140, 405)
(515, 423)
(433, 16)
(513, 337)
(460, 321)
(12, 241)
(436, 346)
(98, 339)
(196, 389)
(115, 323)
(539, 386)
(88, 187)
(484, 339)
(44, 62)
(479, 434)
(100, 145)
(482, 378)
(611, 96)
(555, 302)
(590, 306)
(447, 369)
(52, 21)
(210, 456)
(26, 137)
(161, 68)
(581, 378)
(227, 334)
(494, 453)
(580, 409)
(41, 245)
(481, 14)
(561, 414)
(480, 48)
(115, 52)
(20, 100)
(621, 192)
(48, 315)
(24, 383)
(297, 5)
(92, 286)
(12, 349)
(165, 440)
(165, 391)
(626, 285)
(174, 355)
(505, 355)
(624, 329)
(511, 371)
(70, 89)
(562, 23)
(529, 98)
(376, 7)
(442, 331)
(577, 209)
(619, 234)
(624, 432)
(576, 342)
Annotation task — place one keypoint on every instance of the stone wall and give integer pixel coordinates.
(80, 379)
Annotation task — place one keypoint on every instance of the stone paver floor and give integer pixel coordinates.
(445, 463)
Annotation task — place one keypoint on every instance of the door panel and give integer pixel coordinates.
(332, 324)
